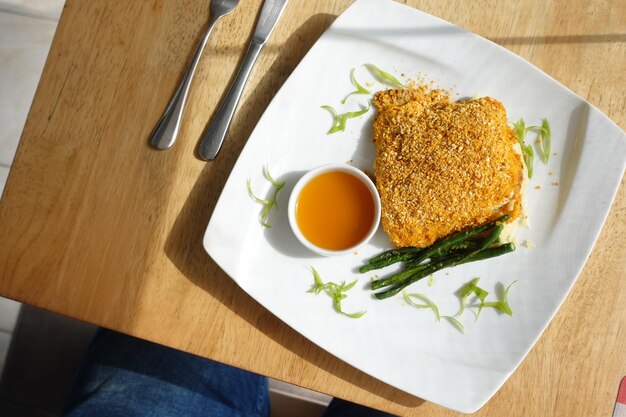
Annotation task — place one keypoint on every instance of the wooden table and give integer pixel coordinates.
(96, 225)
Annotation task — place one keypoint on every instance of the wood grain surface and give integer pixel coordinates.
(96, 225)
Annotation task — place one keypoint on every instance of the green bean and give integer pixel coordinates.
(446, 263)
(460, 250)
(393, 252)
(466, 248)
(437, 250)
(400, 257)
(490, 253)
(404, 255)
(416, 275)
(397, 277)
(458, 238)
(454, 250)
(492, 238)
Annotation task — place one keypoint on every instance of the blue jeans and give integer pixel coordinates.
(128, 377)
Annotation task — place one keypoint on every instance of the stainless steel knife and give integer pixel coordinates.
(214, 135)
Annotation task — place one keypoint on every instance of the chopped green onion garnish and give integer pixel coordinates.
(335, 115)
(359, 88)
(545, 142)
(502, 305)
(466, 291)
(339, 120)
(335, 291)
(319, 284)
(255, 198)
(269, 203)
(462, 308)
(268, 176)
(384, 77)
(529, 156)
(455, 323)
(353, 114)
(429, 303)
(527, 150)
(520, 129)
(470, 288)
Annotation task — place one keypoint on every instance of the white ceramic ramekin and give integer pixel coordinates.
(293, 200)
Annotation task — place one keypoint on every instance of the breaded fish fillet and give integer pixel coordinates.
(443, 166)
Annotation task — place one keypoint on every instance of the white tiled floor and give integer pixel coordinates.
(42, 9)
(24, 45)
(26, 31)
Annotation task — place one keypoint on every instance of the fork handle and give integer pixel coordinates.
(214, 135)
(164, 134)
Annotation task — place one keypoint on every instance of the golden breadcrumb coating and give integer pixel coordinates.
(443, 166)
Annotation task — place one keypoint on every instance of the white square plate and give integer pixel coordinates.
(394, 342)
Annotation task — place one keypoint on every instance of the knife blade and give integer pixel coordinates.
(214, 135)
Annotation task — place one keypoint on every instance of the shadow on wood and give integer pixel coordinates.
(184, 242)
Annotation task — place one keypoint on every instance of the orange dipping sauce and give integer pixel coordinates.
(335, 210)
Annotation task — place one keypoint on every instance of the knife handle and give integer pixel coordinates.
(214, 135)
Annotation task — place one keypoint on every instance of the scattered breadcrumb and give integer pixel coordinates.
(550, 173)
(555, 183)
(528, 244)
(537, 187)
(431, 280)
(443, 166)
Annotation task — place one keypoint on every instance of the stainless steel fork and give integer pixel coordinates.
(166, 130)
